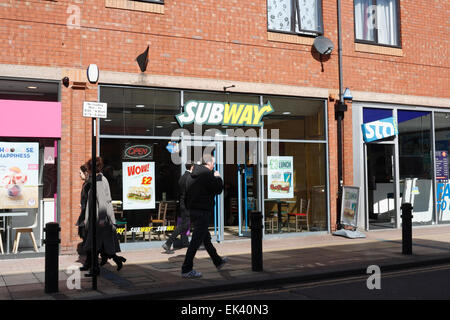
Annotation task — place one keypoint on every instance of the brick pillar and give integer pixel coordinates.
(75, 151)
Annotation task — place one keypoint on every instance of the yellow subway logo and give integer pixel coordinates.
(223, 113)
(146, 229)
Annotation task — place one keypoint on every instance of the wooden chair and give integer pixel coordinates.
(121, 222)
(29, 230)
(171, 213)
(271, 221)
(301, 216)
(160, 221)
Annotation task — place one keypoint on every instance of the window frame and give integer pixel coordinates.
(151, 1)
(301, 32)
(375, 41)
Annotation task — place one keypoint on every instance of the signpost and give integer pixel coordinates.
(94, 110)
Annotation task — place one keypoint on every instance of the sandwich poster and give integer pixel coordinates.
(138, 185)
(280, 171)
(19, 175)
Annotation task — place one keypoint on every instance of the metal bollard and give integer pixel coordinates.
(257, 230)
(52, 242)
(407, 228)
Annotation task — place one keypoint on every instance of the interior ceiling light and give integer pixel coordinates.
(287, 112)
(32, 87)
(140, 106)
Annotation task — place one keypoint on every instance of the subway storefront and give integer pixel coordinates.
(270, 150)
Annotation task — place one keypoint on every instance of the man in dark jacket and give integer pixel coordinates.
(202, 186)
(184, 213)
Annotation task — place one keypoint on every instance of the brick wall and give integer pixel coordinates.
(225, 40)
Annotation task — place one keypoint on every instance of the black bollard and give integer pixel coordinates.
(257, 233)
(407, 228)
(52, 242)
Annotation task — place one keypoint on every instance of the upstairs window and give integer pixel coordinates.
(295, 16)
(377, 22)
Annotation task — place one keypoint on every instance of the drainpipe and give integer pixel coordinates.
(340, 108)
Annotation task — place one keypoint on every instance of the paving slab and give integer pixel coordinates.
(157, 275)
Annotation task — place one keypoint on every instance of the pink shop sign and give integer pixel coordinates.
(40, 119)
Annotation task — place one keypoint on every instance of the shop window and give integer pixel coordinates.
(442, 164)
(295, 118)
(295, 16)
(28, 184)
(296, 188)
(377, 22)
(160, 181)
(415, 163)
(139, 112)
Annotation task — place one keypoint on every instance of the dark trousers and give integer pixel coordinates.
(200, 222)
(181, 229)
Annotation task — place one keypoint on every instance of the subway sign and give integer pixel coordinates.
(223, 113)
(379, 129)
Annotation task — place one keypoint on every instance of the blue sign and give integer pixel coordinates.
(173, 147)
(379, 129)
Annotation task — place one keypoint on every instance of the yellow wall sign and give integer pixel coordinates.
(223, 113)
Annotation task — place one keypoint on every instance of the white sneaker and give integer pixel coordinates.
(191, 275)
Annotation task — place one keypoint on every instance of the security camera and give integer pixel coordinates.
(65, 81)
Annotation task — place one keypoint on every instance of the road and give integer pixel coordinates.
(420, 283)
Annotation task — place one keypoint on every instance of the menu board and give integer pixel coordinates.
(349, 208)
(138, 185)
(280, 172)
(441, 160)
(19, 175)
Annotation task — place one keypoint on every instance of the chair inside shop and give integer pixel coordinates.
(171, 213)
(271, 218)
(121, 221)
(27, 229)
(300, 217)
(159, 221)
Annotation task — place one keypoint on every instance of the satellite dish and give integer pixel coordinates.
(323, 45)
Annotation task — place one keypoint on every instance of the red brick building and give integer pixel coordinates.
(196, 48)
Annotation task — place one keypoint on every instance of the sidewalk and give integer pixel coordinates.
(288, 258)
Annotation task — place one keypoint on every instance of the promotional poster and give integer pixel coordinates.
(350, 206)
(280, 172)
(19, 169)
(138, 185)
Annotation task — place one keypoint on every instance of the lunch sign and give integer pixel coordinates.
(223, 113)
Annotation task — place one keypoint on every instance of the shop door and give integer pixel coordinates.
(381, 196)
(247, 178)
(192, 151)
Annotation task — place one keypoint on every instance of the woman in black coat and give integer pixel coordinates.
(106, 236)
(84, 175)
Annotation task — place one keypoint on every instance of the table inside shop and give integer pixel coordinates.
(279, 202)
(7, 216)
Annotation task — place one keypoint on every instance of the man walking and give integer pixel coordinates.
(184, 213)
(202, 186)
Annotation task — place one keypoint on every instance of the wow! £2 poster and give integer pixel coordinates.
(138, 185)
(19, 175)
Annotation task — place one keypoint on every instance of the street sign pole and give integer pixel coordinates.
(94, 110)
(93, 211)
